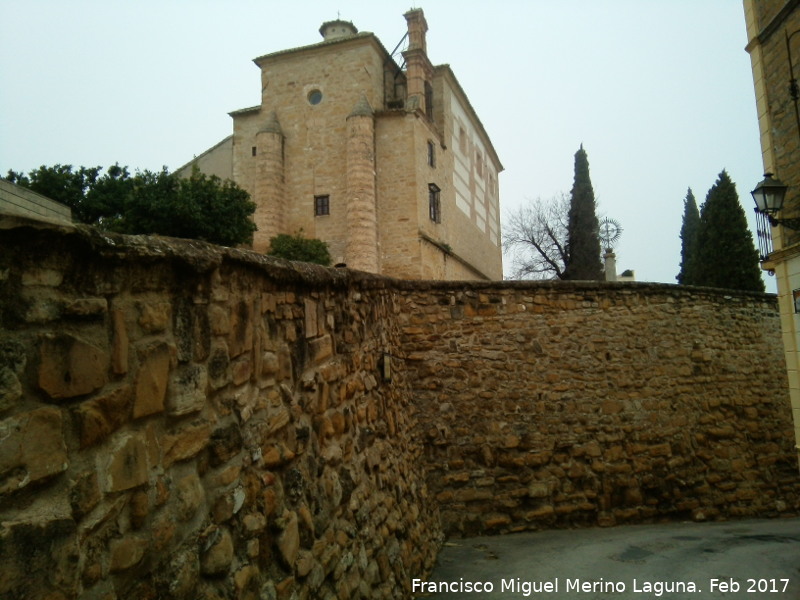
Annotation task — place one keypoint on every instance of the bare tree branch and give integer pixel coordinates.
(535, 237)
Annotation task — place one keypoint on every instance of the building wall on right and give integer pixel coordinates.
(771, 25)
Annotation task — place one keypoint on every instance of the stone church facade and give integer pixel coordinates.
(388, 163)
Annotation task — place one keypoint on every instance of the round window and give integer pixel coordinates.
(314, 97)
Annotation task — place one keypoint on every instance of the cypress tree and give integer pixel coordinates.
(725, 255)
(583, 229)
(691, 221)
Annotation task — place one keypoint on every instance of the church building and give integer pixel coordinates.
(381, 156)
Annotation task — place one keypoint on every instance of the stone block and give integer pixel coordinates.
(84, 494)
(70, 366)
(289, 538)
(99, 417)
(189, 495)
(185, 442)
(154, 317)
(187, 390)
(151, 380)
(218, 552)
(240, 338)
(119, 342)
(86, 307)
(310, 321)
(127, 552)
(225, 443)
(320, 348)
(32, 448)
(219, 367)
(241, 370)
(139, 508)
(127, 463)
(42, 277)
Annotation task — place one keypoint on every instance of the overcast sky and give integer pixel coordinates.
(659, 92)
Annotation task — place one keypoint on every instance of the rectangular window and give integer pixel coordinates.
(429, 100)
(431, 154)
(322, 205)
(254, 150)
(434, 203)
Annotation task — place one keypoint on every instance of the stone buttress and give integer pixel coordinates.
(270, 215)
(362, 220)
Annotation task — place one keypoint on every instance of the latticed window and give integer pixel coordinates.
(322, 205)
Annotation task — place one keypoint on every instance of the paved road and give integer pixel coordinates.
(757, 559)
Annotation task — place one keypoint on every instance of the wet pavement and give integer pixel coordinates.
(755, 559)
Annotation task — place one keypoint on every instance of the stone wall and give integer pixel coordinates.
(184, 421)
(564, 404)
(179, 420)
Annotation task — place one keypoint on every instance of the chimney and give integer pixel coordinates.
(417, 28)
(419, 70)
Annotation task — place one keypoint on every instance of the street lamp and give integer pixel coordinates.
(769, 195)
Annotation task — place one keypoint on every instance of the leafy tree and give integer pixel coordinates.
(725, 255)
(298, 247)
(691, 221)
(536, 237)
(201, 207)
(583, 239)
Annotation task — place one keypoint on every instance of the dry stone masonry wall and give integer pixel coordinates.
(576, 404)
(179, 420)
(184, 421)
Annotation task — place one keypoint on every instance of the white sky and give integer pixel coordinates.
(659, 92)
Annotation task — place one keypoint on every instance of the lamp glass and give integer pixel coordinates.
(769, 194)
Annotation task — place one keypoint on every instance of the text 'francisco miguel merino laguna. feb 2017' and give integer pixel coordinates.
(578, 586)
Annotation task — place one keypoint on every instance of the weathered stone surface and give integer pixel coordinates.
(595, 394)
(154, 317)
(127, 463)
(225, 443)
(289, 538)
(84, 494)
(99, 417)
(127, 552)
(272, 458)
(216, 558)
(70, 366)
(10, 389)
(240, 338)
(186, 442)
(320, 348)
(32, 448)
(39, 553)
(86, 307)
(119, 342)
(189, 495)
(44, 277)
(187, 390)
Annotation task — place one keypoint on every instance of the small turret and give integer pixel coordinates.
(332, 30)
